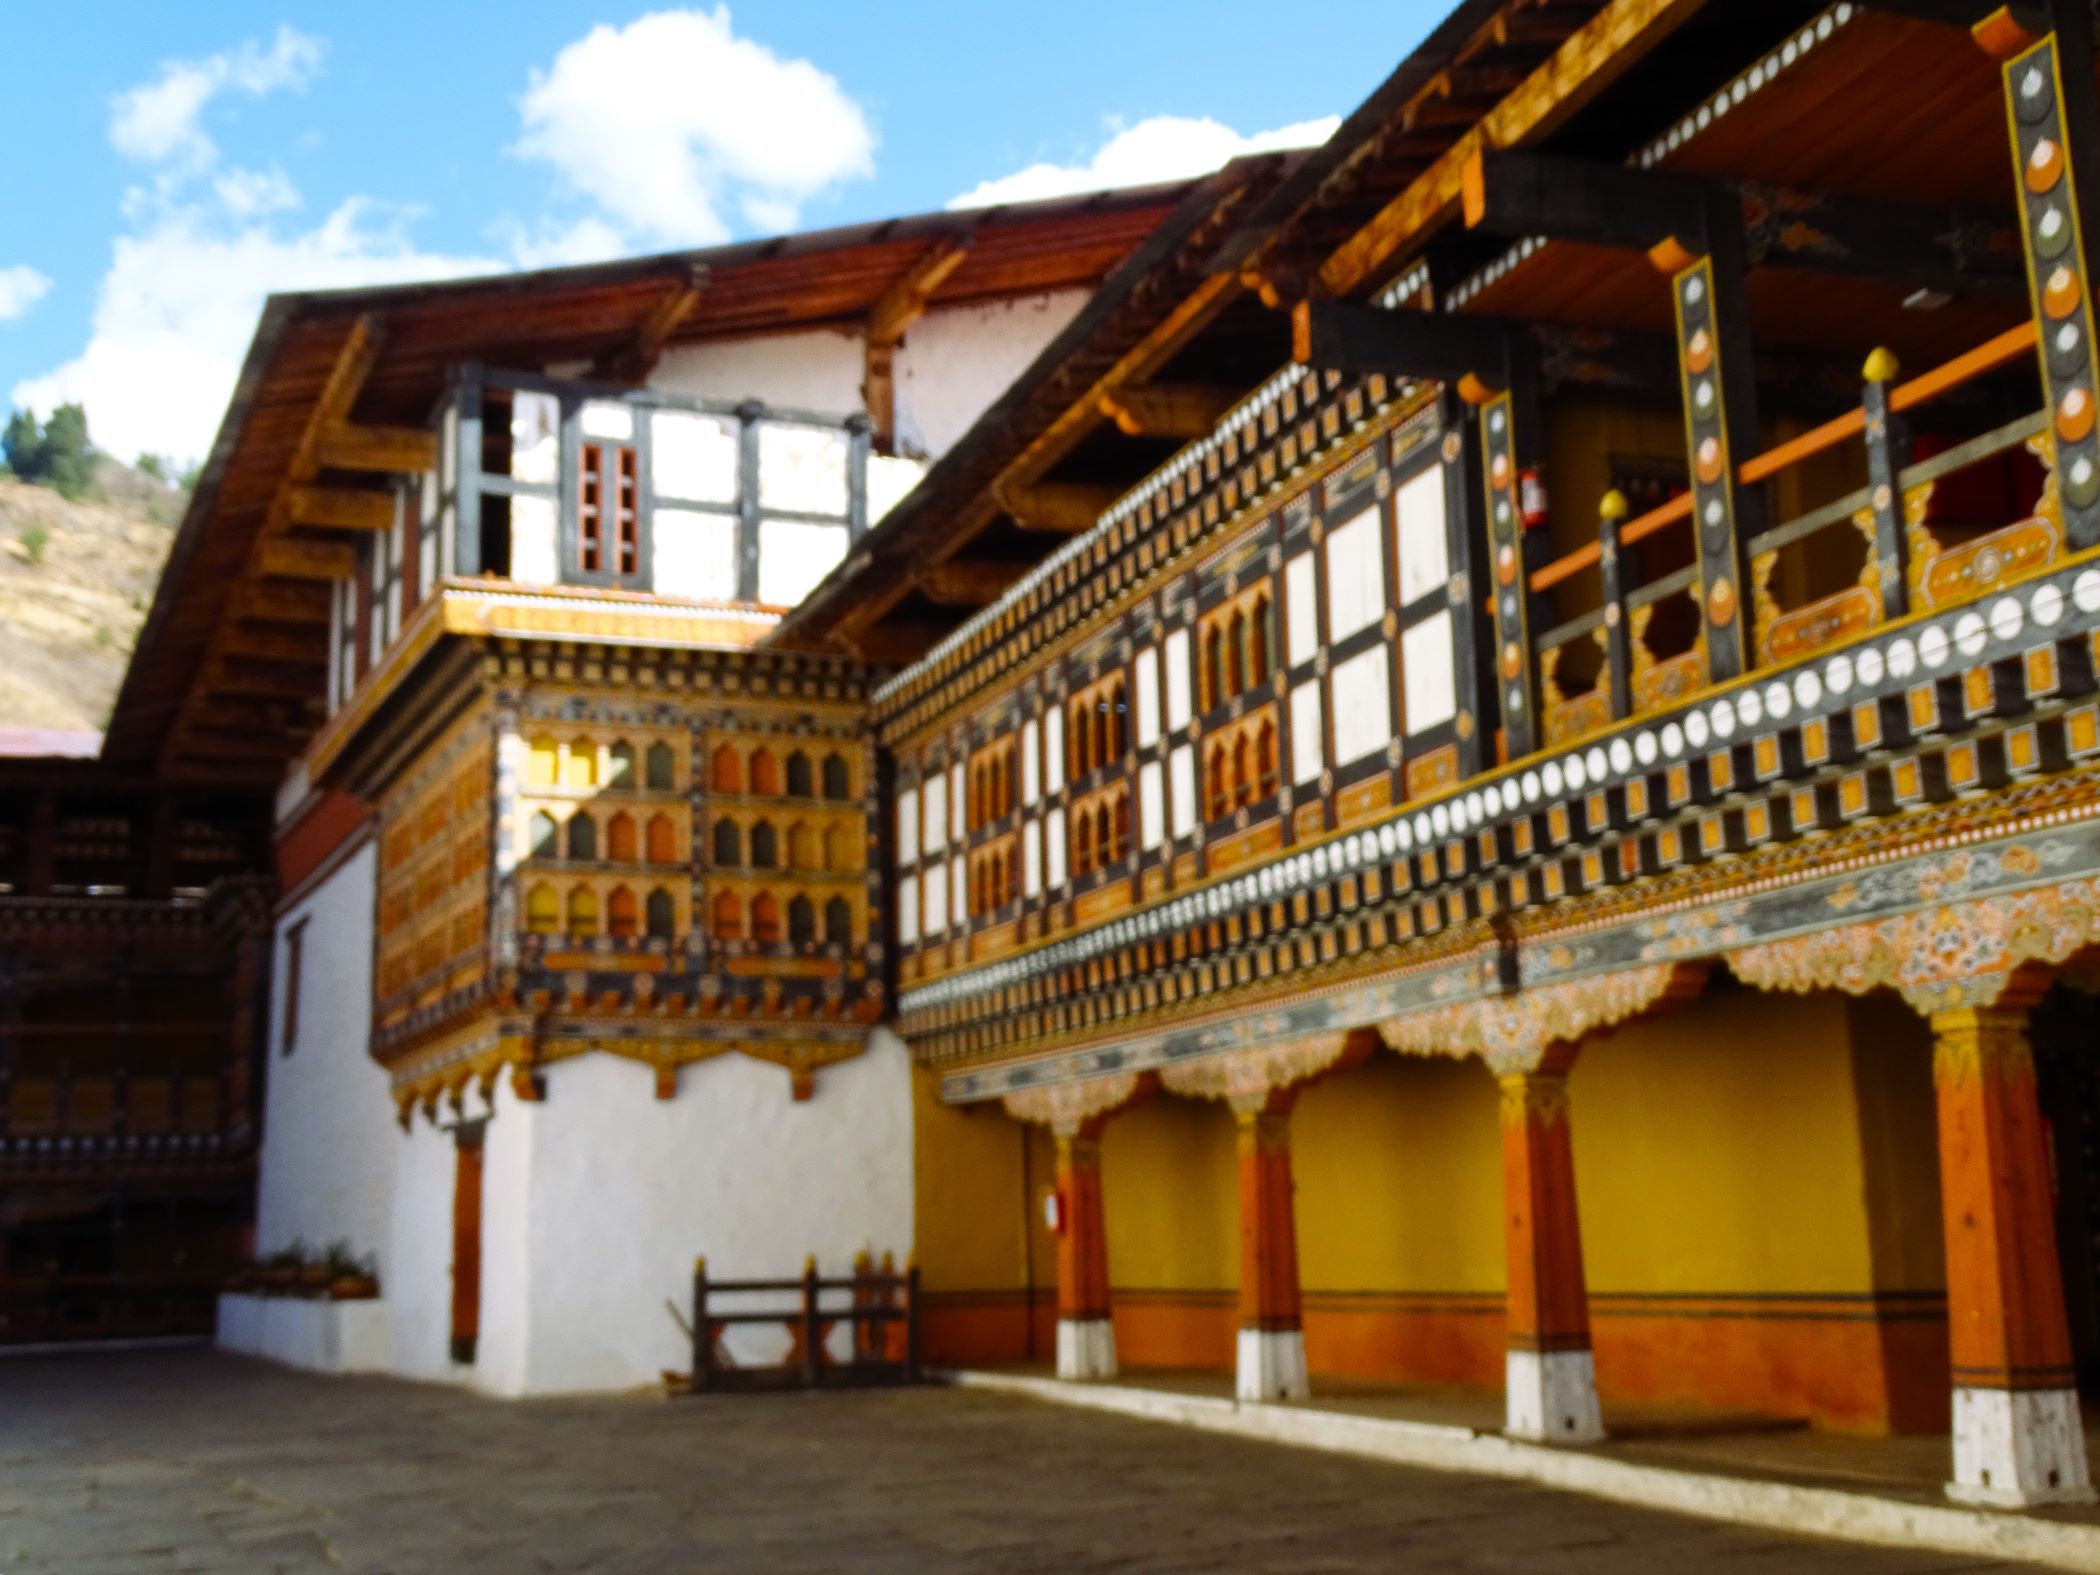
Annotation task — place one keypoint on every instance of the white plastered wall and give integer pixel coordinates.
(328, 1125)
(596, 1201)
(818, 371)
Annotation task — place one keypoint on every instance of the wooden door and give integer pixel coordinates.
(466, 1244)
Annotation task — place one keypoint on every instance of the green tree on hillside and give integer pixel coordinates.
(58, 455)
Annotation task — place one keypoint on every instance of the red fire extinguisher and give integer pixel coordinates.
(1531, 497)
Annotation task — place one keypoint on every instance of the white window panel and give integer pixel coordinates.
(693, 554)
(793, 556)
(1179, 706)
(1053, 750)
(936, 790)
(1308, 733)
(1425, 562)
(532, 534)
(908, 911)
(936, 899)
(1054, 849)
(1300, 610)
(1363, 705)
(801, 469)
(908, 826)
(1426, 673)
(427, 538)
(608, 419)
(1148, 696)
(890, 481)
(959, 889)
(692, 457)
(1182, 765)
(1355, 576)
(1152, 819)
(1032, 859)
(1031, 763)
(958, 802)
(535, 438)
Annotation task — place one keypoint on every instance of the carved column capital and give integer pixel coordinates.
(1072, 1110)
(1249, 1079)
(1517, 1033)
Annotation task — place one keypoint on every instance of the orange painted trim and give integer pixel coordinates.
(1548, 1300)
(1082, 1246)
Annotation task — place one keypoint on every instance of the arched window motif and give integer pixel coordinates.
(1082, 843)
(619, 765)
(1213, 667)
(622, 914)
(765, 919)
(839, 842)
(801, 782)
(1219, 797)
(662, 768)
(543, 910)
(663, 840)
(765, 772)
(726, 772)
(838, 922)
(802, 847)
(579, 768)
(1118, 721)
(1235, 654)
(1261, 640)
(583, 911)
(1265, 758)
(1081, 738)
(729, 917)
(1104, 734)
(583, 837)
(1122, 826)
(662, 915)
(545, 835)
(838, 779)
(1104, 835)
(729, 843)
(1242, 771)
(765, 846)
(543, 763)
(620, 840)
(802, 921)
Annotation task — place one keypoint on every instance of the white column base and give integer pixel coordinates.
(2013, 1448)
(1086, 1348)
(1552, 1397)
(1272, 1365)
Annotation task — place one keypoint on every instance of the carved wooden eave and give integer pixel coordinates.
(1512, 1033)
(1068, 1108)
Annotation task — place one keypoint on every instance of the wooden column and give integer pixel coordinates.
(1272, 1333)
(1552, 1382)
(1086, 1338)
(2055, 145)
(2018, 1439)
(1510, 428)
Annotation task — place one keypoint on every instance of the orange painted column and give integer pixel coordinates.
(2017, 1435)
(1271, 1362)
(1550, 1376)
(1086, 1338)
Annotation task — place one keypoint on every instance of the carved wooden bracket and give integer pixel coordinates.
(1067, 1108)
(1245, 1079)
(1513, 1033)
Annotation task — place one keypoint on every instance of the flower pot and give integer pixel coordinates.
(353, 1288)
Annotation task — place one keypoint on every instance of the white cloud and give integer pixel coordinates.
(178, 307)
(159, 121)
(1162, 148)
(21, 287)
(664, 122)
(551, 245)
(248, 194)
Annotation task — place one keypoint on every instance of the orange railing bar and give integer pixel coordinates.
(1970, 364)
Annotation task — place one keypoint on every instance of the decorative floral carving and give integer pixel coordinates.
(1066, 1107)
(1246, 1078)
(1940, 958)
(1513, 1032)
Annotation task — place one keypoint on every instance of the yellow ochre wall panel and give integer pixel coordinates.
(1399, 1170)
(1170, 1194)
(971, 1226)
(1899, 1143)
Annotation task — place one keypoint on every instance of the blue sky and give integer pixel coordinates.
(169, 165)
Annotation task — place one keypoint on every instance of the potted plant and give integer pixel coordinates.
(279, 1273)
(351, 1278)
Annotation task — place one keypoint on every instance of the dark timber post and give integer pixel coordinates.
(911, 1323)
(1618, 643)
(747, 462)
(1720, 424)
(1888, 451)
(1509, 438)
(2055, 143)
(466, 474)
(812, 1330)
(703, 1329)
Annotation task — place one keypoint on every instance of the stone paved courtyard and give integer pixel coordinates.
(188, 1460)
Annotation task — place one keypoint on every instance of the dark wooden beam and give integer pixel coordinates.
(1055, 506)
(275, 602)
(1168, 410)
(889, 319)
(272, 645)
(1570, 199)
(1352, 338)
(397, 450)
(896, 642)
(967, 582)
(634, 361)
(297, 558)
(338, 508)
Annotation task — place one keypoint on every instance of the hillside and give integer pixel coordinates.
(75, 582)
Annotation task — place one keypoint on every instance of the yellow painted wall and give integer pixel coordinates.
(972, 1218)
(1717, 1149)
(1170, 1190)
(1398, 1163)
(1899, 1144)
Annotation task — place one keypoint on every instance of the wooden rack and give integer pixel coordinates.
(881, 1308)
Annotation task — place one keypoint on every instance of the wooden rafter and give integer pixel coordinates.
(634, 362)
(967, 582)
(1604, 49)
(299, 558)
(398, 451)
(337, 508)
(890, 318)
(1064, 508)
(1172, 410)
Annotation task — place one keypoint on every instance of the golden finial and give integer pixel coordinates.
(1613, 506)
(1882, 365)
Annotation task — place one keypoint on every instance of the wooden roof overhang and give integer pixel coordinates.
(335, 395)
(1893, 104)
(1172, 330)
